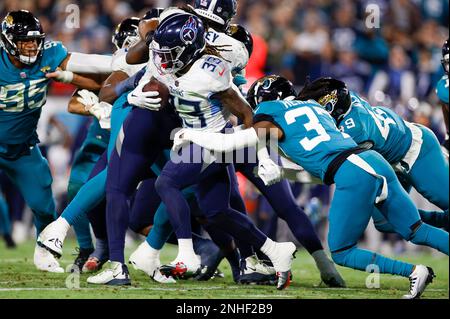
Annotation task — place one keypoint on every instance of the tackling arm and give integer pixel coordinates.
(237, 105)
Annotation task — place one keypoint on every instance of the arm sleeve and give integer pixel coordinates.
(219, 142)
(89, 63)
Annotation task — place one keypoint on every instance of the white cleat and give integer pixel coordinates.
(419, 280)
(282, 262)
(45, 261)
(116, 275)
(255, 271)
(52, 237)
(143, 259)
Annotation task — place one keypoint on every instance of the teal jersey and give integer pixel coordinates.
(380, 125)
(97, 135)
(22, 94)
(311, 138)
(442, 89)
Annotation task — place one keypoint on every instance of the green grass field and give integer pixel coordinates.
(19, 279)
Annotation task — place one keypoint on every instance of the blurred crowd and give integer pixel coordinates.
(389, 51)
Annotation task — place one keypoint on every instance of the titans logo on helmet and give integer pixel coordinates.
(189, 31)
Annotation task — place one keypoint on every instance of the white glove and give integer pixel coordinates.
(269, 171)
(61, 76)
(180, 139)
(146, 100)
(101, 110)
(87, 98)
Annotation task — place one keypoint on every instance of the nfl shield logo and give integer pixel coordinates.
(204, 3)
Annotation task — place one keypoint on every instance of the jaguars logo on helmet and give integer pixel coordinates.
(22, 26)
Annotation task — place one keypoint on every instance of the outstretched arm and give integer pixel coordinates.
(219, 142)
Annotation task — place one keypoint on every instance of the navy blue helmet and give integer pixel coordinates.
(218, 11)
(178, 40)
(126, 33)
(270, 88)
(22, 26)
(445, 56)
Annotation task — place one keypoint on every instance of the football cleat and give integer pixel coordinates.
(10, 244)
(420, 278)
(282, 262)
(179, 269)
(52, 237)
(80, 260)
(210, 256)
(116, 275)
(254, 271)
(45, 261)
(142, 260)
(93, 264)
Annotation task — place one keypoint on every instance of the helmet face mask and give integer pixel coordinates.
(220, 12)
(22, 36)
(127, 33)
(167, 61)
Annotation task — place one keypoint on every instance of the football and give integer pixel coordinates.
(155, 85)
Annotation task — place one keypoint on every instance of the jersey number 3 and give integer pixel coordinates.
(312, 125)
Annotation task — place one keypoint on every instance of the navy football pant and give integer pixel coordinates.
(213, 196)
(143, 137)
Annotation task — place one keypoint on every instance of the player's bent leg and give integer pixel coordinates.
(401, 212)
(213, 195)
(32, 176)
(90, 195)
(282, 201)
(5, 223)
(430, 173)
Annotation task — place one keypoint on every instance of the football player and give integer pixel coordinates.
(27, 63)
(412, 149)
(307, 134)
(442, 90)
(200, 83)
(115, 90)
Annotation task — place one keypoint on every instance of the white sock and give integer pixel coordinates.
(62, 225)
(149, 250)
(269, 247)
(185, 248)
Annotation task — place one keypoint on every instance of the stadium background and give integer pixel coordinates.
(397, 65)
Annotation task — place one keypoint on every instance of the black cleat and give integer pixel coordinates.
(10, 244)
(82, 257)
